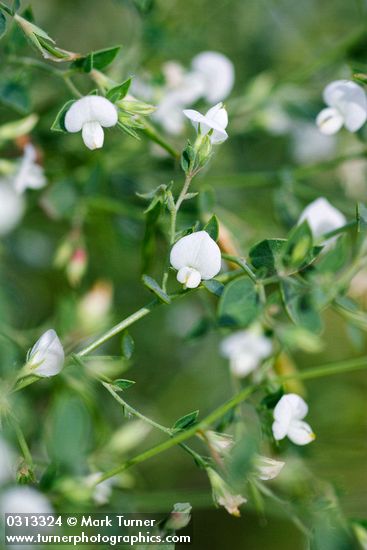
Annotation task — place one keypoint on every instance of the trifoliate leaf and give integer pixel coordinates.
(266, 256)
(239, 304)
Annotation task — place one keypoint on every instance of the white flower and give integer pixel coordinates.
(196, 257)
(223, 494)
(322, 217)
(7, 463)
(11, 208)
(170, 108)
(46, 358)
(179, 517)
(268, 468)
(221, 443)
(89, 114)
(24, 500)
(347, 105)
(101, 492)
(217, 72)
(288, 420)
(214, 121)
(30, 175)
(245, 350)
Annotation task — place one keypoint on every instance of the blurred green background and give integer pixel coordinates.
(259, 183)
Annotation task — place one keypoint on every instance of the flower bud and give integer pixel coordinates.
(223, 494)
(46, 358)
(77, 266)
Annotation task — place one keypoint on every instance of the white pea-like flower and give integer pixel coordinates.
(91, 114)
(223, 495)
(347, 106)
(268, 468)
(289, 413)
(196, 257)
(220, 443)
(102, 491)
(245, 350)
(12, 207)
(30, 175)
(322, 217)
(24, 500)
(47, 356)
(214, 121)
(217, 73)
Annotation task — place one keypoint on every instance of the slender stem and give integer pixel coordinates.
(69, 83)
(151, 422)
(22, 442)
(339, 367)
(6, 9)
(243, 264)
(152, 133)
(182, 436)
(142, 312)
(316, 372)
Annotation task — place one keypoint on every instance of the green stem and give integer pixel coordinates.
(151, 422)
(22, 442)
(316, 372)
(152, 133)
(142, 312)
(6, 9)
(243, 264)
(69, 83)
(182, 436)
(339, 367)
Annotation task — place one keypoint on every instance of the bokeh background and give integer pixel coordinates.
(274, 163)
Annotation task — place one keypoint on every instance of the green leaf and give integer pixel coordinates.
(58, 123)
(120, 91)
(301, 305)
(186, 421)
(266, 256)
(97, 60)
(15, 95)
(239, 304)
(298, 247)
(212, 227)
(154, 287)
(102, 58)
(2, 24)
(128, 345)
(121, 384)
(214, 286)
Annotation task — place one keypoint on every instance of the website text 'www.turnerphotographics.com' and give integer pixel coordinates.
(93, 529)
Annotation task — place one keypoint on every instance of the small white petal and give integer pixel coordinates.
(189, 277)
(350, 100)
(268, 468)
(47, 356)
(30, 174)
(246, 349)
(280, 429)
(12, 208)
(298, 406)
(218, 73)
(322, 217)
(300, 432)
(216, 119)
(243, 364)
(90, 108)
(329, 121)
(93, 135)
(198, 251)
